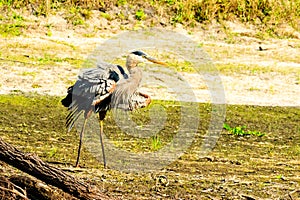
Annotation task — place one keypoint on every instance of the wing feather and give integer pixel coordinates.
(92, 91)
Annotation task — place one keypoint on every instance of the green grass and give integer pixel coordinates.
(39, 110)
(45, 60)
(106, 16)
(253, 69)
(11, 24)
(42, 54)
(7, 30)
(155, 143)
(241, 131)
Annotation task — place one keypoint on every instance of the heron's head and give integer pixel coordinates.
(136, 57)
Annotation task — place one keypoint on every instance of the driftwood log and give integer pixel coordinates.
(10, 191)
(26, 187)
(34, 166)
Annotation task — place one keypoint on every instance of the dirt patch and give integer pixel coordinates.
(238, 167)
(276, 84)
(49, 64)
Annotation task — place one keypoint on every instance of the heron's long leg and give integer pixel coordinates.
(101, 141)
(80, 142)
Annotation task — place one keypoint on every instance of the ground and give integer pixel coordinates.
(261, 78)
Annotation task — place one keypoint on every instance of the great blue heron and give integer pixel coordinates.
(107, 86)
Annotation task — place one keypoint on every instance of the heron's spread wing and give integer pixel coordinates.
(85, 97)
(91, 91)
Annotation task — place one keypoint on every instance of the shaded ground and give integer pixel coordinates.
(238, 166)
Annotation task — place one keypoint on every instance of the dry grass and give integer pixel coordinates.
(261, 12)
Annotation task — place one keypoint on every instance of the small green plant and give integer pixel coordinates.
(17, 17)
(52, 152)
(33, 74)
(170, 2)
(297, 82)
(121, 2)
(75, 16)
(280, 177)
(179, 13)
(8, 30)
(35, 85)
(240, 131)
(78, 21)
(155, 143)
(254, 89)
(106, 16)
(140, 15)
(295, 150)
(49, 33)
(86, 13)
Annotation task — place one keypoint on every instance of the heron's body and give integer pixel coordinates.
(105, 87)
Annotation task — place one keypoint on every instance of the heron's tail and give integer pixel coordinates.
(67, 101)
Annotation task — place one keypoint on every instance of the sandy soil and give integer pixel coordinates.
(278, 85)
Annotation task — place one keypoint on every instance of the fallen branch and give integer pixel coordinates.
(34, 166)
(36, 189)
(9, 190)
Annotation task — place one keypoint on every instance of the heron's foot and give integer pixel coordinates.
(77, 165)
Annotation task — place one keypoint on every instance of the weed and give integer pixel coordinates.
(122, 16)
(106, 16)
(121, 2)
(179, 16)
(295, 150)
(170, 2)
(63, 43)
(52, 152)
(89, 35)
(297, 82)
(49, 33)
(87, 14)
(280, 177)
(13, 26)
(75, 16)
(33, 74)
(35, 85)
(254, 69)
(155, 143)
(140, 15)
(200, 45)
(270, 14)
(10, 30)
(77, 21)
(254, 89)
(17, 17)
(240, 131)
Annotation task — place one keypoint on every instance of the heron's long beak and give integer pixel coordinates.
(155, 61)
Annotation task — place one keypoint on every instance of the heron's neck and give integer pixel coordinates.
(135, 75)
(131, 63)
